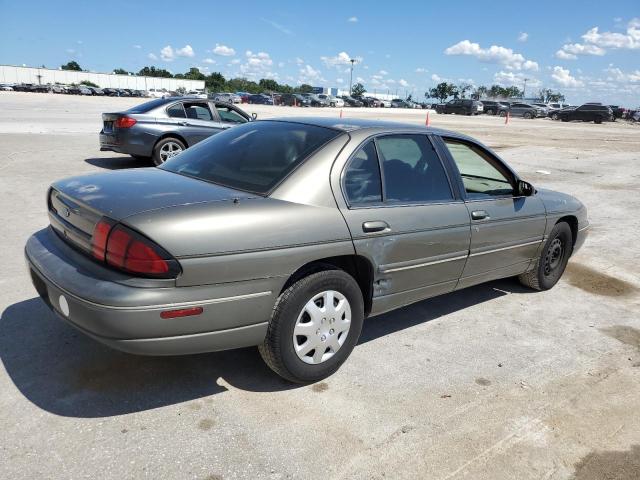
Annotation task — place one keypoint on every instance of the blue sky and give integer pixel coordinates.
(589, 50)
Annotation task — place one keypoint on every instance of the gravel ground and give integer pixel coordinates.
(493, 382)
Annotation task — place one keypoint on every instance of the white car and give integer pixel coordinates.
(336, 102)
(196, 94)
(227, 97)
(159, 93)
(385, 103)
(6, 87)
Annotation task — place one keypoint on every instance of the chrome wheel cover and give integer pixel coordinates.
(322, 327)
(169, 150)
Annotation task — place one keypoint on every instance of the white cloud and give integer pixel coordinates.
(235, 61)
(185, 51)
(352, 19)
(277, 26)
(280, 64)
(383, 72)
(167, 54)
(309, 75)
(421, 70)
(223, 50)
(436, 78)
(562, 55)
(152, 56)
(617, 75)
(339, 81)
(299, 61)
(562, 76)
(137, 47)
(508, 79)
(570, 51)
(403, 83)
(343, 58)
(257, 64)
(493, 54)
(523, 37)
(629, 40)
(210, 61)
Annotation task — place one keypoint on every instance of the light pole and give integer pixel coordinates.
(351, 77)
(524, 89)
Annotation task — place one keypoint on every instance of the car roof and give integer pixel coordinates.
(354, 124)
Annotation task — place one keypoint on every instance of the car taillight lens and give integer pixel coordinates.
(125, 122)
(131, 252)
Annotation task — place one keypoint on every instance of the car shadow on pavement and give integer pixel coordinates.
(118, 163)
(66, 373)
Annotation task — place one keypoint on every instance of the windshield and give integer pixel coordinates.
(253, 157)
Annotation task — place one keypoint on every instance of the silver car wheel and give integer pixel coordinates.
(322, 327)
(169, 150)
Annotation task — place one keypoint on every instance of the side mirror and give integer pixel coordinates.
(525, 189)
(254, 116)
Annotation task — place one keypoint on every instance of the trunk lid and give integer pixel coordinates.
(76, 204)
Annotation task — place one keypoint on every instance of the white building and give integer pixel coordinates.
(44, 76)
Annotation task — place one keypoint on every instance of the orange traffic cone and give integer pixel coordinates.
(427, 122)
(506, 119)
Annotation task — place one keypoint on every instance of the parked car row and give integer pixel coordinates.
(90, 90)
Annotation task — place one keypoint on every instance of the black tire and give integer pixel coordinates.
(552, 260)
(503, 113)
(597, 120)
(490, 112)
(527, 115)
(157, 150)
(564, 119)
(554, 116)
(278, 351)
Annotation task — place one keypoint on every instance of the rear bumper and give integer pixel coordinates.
(131, 141)
(126, 316)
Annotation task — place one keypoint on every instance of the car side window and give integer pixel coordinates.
(412, 170)
(198, 111)
(176, 111)
(362, 183)
(480, 176)
(227, 114)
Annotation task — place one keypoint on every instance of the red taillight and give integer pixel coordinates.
(183, 312)
(125, 122)
(99, 238)
(127, 250)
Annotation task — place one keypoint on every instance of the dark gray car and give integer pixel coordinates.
(287, 233)
(524, 110)
(162, 128)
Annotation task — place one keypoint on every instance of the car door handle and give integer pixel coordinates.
(480, 215)
(375, 226)
(184, 124)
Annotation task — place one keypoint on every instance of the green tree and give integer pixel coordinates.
(89, 84)
(195, 74)
(72, 65)
(181, 90)
(155, 72)
(358, 90)
(513, 92)
(120, 71)
(215, 82)
(305, 88)
(463, 88)
(267, 84)
(442, 91)
(546, 95)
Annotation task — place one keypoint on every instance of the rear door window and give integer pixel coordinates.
(412, 170)
(229, 115)
(176, 111)
(198, 111)
(362, 183)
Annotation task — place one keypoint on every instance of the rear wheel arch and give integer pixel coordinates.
(177, 136)
(359, 267)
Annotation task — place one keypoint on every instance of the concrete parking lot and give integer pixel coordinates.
(493, 382)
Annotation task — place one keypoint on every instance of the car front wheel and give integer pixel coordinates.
(552, 261)
(554, 116)
(315, 325)
(166, 149)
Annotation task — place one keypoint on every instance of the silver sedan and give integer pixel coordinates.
(286, 234)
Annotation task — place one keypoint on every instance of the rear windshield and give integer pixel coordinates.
(147, 106)
(253, 157)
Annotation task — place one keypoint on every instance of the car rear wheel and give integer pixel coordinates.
(554, 116)
(490, 112)
(315, 325)
(597, 120)
(166, 149)
(527, 115)
(552, 260)
(503, 113)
